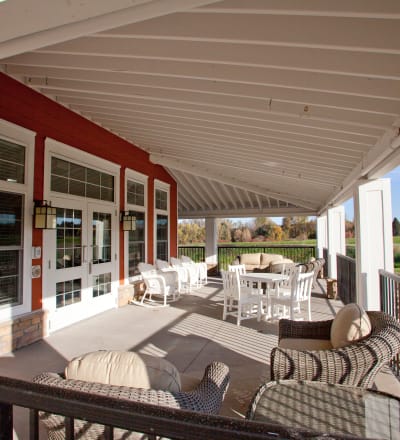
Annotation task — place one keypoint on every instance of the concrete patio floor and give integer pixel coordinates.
(190, 334)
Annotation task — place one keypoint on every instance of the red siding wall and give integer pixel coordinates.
(25, 107)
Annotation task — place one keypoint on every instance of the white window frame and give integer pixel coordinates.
(26, 138)
(137, 177)
(158, 184)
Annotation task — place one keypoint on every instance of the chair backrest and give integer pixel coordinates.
(291, 271)
(239, 268)
(175, 261)
(230, 281)
(161, 264)
(186, 259)
(146, 267)
(301, 286)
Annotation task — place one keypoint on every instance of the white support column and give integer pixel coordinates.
(211, 241)
(336, 237)
(374, 241)
(322, 235)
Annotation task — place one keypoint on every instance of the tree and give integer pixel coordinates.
(396, 227)
(224, 230)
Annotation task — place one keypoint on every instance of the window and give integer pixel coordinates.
(16, 195)
(70, 178)
(69, 238)
(136, 244)
(12, 162)
(136, 204)
(135, 193)
(161, 202)
(162, 237)
(11, 249)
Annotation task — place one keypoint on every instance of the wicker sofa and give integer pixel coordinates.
(355, 364)
(206, 398)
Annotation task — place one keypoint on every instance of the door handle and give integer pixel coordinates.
(90, 268)
(84, 253)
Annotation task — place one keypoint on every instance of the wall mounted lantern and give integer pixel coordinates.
(44, 215)
(128, 221)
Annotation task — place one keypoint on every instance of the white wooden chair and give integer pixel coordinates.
(241, 270)
(300, 292)
(201, 269)
(240, 301)
(186, 277)
(164, 284)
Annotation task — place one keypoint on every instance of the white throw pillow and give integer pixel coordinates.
(125, 368)
(349, 325)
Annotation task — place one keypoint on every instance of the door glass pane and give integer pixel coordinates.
(11, 251)
(68, 292)
(101, 284)
(69, 238)
(101, 238)
(136, 241)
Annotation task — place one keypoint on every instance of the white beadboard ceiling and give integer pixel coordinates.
(256, 107)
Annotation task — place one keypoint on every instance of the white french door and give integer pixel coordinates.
(80, 261)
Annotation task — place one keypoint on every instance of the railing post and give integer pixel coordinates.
(6, 421)
(33, 424)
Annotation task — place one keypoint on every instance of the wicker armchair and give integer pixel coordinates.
(206, 398)
(356, 364)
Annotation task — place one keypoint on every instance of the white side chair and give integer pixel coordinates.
(240, 269)
(240, 301)
(300, 292)
(201, 268)
(183, 274)
(159, 284)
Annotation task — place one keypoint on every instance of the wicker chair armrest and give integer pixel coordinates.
(304, 329)
(207, 397)
(355, 365)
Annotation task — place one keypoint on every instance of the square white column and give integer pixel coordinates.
(374, 241)
(211, 241)
(322, 235)
(336, 237)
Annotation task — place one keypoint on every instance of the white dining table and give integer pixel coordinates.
(270, 279)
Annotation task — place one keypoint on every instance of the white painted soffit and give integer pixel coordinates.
(31, 25)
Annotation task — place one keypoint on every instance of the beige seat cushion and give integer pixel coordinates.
(250, 259)
(305, 344)
(276, 266)
(266, 259)
(125, 368)
(349, 325)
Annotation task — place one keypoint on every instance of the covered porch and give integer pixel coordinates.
(190, 334)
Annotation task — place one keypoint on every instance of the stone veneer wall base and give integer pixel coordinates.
(22, 330)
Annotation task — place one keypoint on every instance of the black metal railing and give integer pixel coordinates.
(390, 303)
(122, 413)
(196, 253)
(298, 253)
(346, 278)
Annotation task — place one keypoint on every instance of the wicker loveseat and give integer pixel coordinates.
(206, 398)
(355, 364)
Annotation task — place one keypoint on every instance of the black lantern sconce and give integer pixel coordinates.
(128, 221)
(44, 215)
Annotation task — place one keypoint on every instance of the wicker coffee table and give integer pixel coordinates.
(333, 409)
